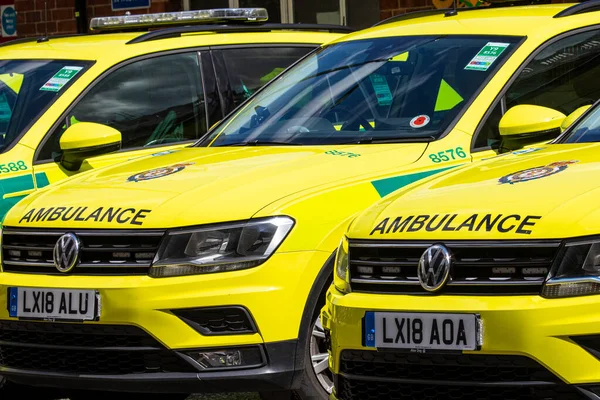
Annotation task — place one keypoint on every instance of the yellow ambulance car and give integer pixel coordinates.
(483, 283)
(217, 257)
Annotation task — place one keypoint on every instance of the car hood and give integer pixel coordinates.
(544, 192)
(200, 185)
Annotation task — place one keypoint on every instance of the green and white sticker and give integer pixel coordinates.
(60, 79)
(382, 90)
(486, 56)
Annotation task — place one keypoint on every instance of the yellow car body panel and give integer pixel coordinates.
(454, 195)
(321, 187)
(514, 325)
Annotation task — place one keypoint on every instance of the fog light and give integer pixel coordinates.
(240, 357)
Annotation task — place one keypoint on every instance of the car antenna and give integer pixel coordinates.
(45, 37)
(453, 11)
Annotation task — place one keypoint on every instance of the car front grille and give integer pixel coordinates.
(84, 349)
(103, 252)
(481, 267)
(374, 375)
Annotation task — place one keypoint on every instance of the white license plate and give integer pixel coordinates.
(422, 331)
(53, 304)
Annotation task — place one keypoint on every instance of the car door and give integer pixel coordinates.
(561, 75)
(158, 103)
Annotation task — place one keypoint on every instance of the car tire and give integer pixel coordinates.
(317, 381)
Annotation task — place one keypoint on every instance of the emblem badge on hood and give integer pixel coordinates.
(537, 172)
(434, 267)
(158, 172)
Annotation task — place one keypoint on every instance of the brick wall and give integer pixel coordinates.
(390, 8)
(61, 14)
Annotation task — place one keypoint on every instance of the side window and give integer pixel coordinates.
(249, 69)
(152, 102)
(563, 77)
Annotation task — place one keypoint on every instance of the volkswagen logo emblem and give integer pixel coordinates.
(434, 267)
(66, 252)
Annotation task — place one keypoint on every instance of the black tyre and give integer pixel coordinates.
(317, 381)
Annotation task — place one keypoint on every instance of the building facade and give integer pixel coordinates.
(56, 17)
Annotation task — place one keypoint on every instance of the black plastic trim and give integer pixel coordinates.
(181, 314)
(581, 8)
(445, 383)
(276, 375)
(175, 32)
(590, 343)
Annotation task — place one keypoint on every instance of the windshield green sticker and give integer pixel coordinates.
(486, 56)
(60, 79)
(382, 90)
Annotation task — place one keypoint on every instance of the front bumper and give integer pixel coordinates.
(275, 376)
(531, 334)
(274, 294)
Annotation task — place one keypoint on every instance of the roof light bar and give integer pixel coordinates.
(194, 17)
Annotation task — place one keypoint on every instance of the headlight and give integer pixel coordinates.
(219, 248)
(340, 279)
(576, 271)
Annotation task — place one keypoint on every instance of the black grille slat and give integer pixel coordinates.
(442, 367)
(84, 349)
(482, 267)
(349, 389)
(119, 252)
(366, 375)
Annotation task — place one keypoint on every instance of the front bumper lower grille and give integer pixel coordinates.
(85, 349)
(366, 375)
(103, 252)
(481, 267)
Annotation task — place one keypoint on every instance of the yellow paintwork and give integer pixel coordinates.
(476, 188)
(573, 117)
(566, 204)
(526, 118)
(106, 51)
(517, 325)
(88, 134)
(321, 187)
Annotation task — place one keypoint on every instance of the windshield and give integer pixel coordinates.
(27, 89)
(588, 130)
(388, 89)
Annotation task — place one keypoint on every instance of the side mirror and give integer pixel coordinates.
(567, 122)
(526, 124)
(87, 139)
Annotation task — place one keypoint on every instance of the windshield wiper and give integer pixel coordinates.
(262, 143)
(369, 140)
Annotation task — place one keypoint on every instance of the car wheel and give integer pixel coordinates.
(317, 382)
